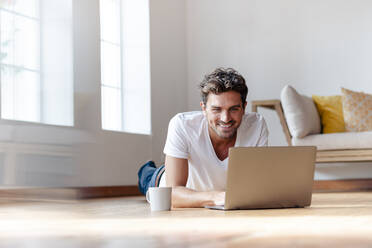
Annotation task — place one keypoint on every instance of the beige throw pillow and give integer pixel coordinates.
(357, 107)
(300, 112)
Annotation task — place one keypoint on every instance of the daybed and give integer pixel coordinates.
(302, 126)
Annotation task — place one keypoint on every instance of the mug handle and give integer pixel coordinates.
(148, 196)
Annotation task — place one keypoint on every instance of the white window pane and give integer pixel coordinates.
(110, 64)
(111, 109)
(7, 37)
(136, 66)
(21, 36)
(7, 93)
(137, 111)
(26, 7)
(20, 41)
(57, 62)
(27, 96)
(7, 4)
(20, 94)
(26, 42)
(110, 20)
(126, 71)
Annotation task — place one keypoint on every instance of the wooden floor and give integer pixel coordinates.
(333, 220)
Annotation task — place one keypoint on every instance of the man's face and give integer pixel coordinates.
(224, 113)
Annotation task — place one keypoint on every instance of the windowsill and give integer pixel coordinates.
(126, 132)
(39, 133)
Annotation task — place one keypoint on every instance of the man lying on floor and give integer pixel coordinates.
(198, 142)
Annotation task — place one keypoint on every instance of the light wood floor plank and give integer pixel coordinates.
(333, 220)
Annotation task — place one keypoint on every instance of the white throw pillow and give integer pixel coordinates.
(300, 112)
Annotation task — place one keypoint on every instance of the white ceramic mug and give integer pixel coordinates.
(160, 198)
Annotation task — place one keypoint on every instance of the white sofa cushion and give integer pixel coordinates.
(300, 112)
(331, 141)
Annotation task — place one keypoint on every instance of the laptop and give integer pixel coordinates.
(269, 177)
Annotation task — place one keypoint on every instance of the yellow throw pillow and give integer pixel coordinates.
(357, 108)
(331, 114)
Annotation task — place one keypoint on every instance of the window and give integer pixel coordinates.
(125, 66)
(36, 61)
(20, 60)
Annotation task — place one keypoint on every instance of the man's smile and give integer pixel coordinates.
(226, 125)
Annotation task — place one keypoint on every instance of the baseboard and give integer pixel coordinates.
(346, 185)
(69, 193)
(107, 191)
(77, 193)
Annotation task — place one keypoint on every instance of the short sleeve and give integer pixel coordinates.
(176, 144)
(264, 134)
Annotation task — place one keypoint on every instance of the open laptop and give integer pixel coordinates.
(269, 177)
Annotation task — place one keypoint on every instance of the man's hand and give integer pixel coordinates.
(176, 177)
(183, 197)
(219, 198)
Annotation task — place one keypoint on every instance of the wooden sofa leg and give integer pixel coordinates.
(277, 107)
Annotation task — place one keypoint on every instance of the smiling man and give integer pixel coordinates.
(198, 142)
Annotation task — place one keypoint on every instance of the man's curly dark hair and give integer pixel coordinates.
(223, 80)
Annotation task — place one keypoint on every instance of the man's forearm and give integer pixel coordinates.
(183, 197)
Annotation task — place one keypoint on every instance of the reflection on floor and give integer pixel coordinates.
(333, 220)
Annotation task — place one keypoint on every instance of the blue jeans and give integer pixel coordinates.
(147, 175)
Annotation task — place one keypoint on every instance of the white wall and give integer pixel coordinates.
(316, 46)
(168, 68)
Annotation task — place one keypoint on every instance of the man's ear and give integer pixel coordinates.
(203, 107)
(245, 105)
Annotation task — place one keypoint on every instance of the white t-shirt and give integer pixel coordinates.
(188, 138)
